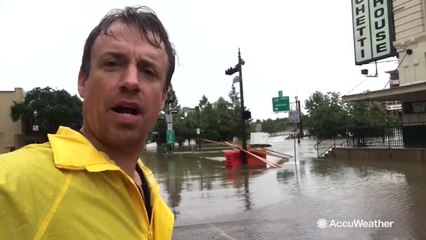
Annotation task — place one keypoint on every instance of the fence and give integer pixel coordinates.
(364, 136)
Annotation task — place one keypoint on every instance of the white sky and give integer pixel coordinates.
(298, 47)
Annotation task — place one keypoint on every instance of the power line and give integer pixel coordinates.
(357, 85)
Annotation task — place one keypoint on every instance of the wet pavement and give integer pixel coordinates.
(305, 199)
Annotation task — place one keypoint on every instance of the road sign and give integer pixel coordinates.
(170, 135)
(281, 104)
(169, 118)
(294, 116)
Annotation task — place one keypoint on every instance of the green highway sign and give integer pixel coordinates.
(170, 135)
(281, 104)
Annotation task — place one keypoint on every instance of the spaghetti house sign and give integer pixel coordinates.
(373, 30)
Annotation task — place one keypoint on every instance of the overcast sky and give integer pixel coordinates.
(298, 47)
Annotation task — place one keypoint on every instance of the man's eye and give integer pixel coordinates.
(149, 72)
(111, 63)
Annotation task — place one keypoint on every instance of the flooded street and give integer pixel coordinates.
(305, 199)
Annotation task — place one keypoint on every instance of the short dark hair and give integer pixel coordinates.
(146, 21)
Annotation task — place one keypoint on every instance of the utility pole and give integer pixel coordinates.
(197, 108)
(170, 133)
(300, 119)
(298, 123)
(244, 114)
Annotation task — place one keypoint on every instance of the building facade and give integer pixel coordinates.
(10, 131)
(409, 42)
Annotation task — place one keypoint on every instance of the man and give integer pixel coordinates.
(91, 184)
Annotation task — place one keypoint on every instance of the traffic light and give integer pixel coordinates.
(170, 98)
(246, 115)
(232, 70)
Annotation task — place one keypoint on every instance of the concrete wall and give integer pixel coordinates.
(386, 154)
(10, 132)
(410, 33)
(409, 23)
(409, 18)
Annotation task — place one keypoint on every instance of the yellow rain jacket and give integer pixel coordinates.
(67, 189)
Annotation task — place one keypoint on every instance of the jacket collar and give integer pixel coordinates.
(71, 150)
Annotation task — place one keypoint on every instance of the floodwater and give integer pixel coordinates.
(307, 198)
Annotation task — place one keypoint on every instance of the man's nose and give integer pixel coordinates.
(130, 79)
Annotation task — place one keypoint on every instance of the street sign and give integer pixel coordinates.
(170, 135)
(169, 126)
(294, 116)
(281, 104)
(169, 118)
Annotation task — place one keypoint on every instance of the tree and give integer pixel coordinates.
(369, 119)
(225, 116)
(48, 109)
(209, 120)
(370, 113)
(327, 115)
(269, 126)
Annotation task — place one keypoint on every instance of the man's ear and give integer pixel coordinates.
(82, 79)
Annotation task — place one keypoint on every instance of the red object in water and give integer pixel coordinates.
(233, 158)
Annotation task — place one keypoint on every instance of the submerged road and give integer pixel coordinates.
(307, 198)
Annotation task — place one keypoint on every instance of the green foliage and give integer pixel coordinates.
(329, 117)
(370, 113)
(218, 121)
(48, 109)
(269, 126)
(369, 118)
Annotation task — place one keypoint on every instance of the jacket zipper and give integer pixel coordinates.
(141, 204)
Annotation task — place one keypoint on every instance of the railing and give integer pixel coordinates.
(364, 136)
(324, 145)
(377, 137)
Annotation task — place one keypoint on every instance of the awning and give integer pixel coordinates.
(407, 93)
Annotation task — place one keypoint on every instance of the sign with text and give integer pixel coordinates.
(281, 104)
(170, 136)
(294, 116)
(373, 30)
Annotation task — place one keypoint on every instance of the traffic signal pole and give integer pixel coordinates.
(243, 121)
(231, 71)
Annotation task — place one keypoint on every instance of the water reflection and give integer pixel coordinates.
(214, 202)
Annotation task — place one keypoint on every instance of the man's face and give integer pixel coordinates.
(124, 91)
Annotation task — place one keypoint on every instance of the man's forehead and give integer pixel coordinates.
(118, 29)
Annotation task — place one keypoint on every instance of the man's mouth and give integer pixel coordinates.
(126, 110)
